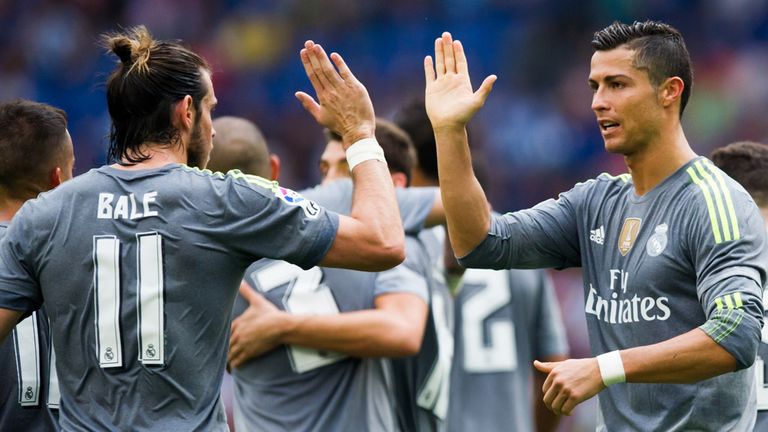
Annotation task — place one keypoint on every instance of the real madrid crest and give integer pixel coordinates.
(658, 241)
(628, 234)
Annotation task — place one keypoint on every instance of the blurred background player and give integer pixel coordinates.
(307, 346)
(503, 321)
(37, 155)
(680, 326)
(747, 163)
(140, 261)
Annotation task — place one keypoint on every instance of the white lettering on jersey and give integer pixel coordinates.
(625, 310)
(597, 235)
(126, 206)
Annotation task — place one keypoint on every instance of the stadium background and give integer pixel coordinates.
(536, 132)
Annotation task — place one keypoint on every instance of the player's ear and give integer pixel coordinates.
(183, 113)
(671, 91)
(399, 179)
(55, 178)
(274, 166)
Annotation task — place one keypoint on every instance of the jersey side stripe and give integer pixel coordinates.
(728, 200)
(718, 200)
(710, 207)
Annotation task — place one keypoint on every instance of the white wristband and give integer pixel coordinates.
(611, 368)
(364, 150)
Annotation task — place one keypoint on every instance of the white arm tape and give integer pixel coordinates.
(364, 150)
(611, 368)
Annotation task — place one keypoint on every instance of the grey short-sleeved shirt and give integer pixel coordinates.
(139, 271)
(504, 320)
(28, 392)
(297, 389)
(689, 253)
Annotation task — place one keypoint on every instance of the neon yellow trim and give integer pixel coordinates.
(719, 303)
(733, 327)
(716, 192)
(710, 207)
(737, 299)
(728, 200)
(728, 301)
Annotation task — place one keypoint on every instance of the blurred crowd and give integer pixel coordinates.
(537, 131)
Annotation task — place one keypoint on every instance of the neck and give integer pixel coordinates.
(658, 160)
(159, 156)
(9, 207)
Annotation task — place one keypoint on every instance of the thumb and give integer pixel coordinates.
(248, 293)
(485, 88)
(309, 104)
(545, 367)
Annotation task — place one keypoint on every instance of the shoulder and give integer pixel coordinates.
(716, 201)
(236, 178)
(602, 185)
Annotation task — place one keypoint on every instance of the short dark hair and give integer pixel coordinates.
(747, 163)
(32, 144)
(659, 49)
(413, 119)
(151, 77)
(239, 144)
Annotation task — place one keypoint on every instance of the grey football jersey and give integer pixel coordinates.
(139, 271)
(28, 392)
(761, 375)
(415, 203)
(298, 389)
(504, 320)
(689, 253)
(422, 382)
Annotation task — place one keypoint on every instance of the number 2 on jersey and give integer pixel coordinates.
(149, 299)
(500, 352)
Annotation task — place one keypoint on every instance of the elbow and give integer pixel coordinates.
(387, 256)
(407, 343)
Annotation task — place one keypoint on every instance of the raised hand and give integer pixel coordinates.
(569, 383)
(256, 331)
(343, 104)
(449, 98)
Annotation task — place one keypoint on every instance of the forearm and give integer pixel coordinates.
(374, 205)
(466, 207)
(690, 357)
(369, 333)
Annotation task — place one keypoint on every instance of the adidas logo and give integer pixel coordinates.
(597, 235)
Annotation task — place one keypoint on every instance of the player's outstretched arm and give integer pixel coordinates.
(372, 237)
(8, 320)
(394, 328)
(450, 104)
(690, 357)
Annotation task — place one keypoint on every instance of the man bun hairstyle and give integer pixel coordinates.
(659, 49)
(150, 78)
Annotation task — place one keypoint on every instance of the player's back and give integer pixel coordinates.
(28, 384)
(504, 320)
(422, 382)
(300, 389)
(139, 270)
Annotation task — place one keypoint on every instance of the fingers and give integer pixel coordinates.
(325, 70)
(309, 70)
(439, 58)
(341, 65)
(462, 66)
(485, 89)
(429, 69)
(450, 59)
(545, 367)
(309, 104)
(558, 402)
(248, 293)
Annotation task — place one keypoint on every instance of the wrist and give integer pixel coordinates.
(348, 138)
(611, 368)
(362, 151)
(449, 128)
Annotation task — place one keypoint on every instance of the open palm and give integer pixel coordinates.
(449, 98)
